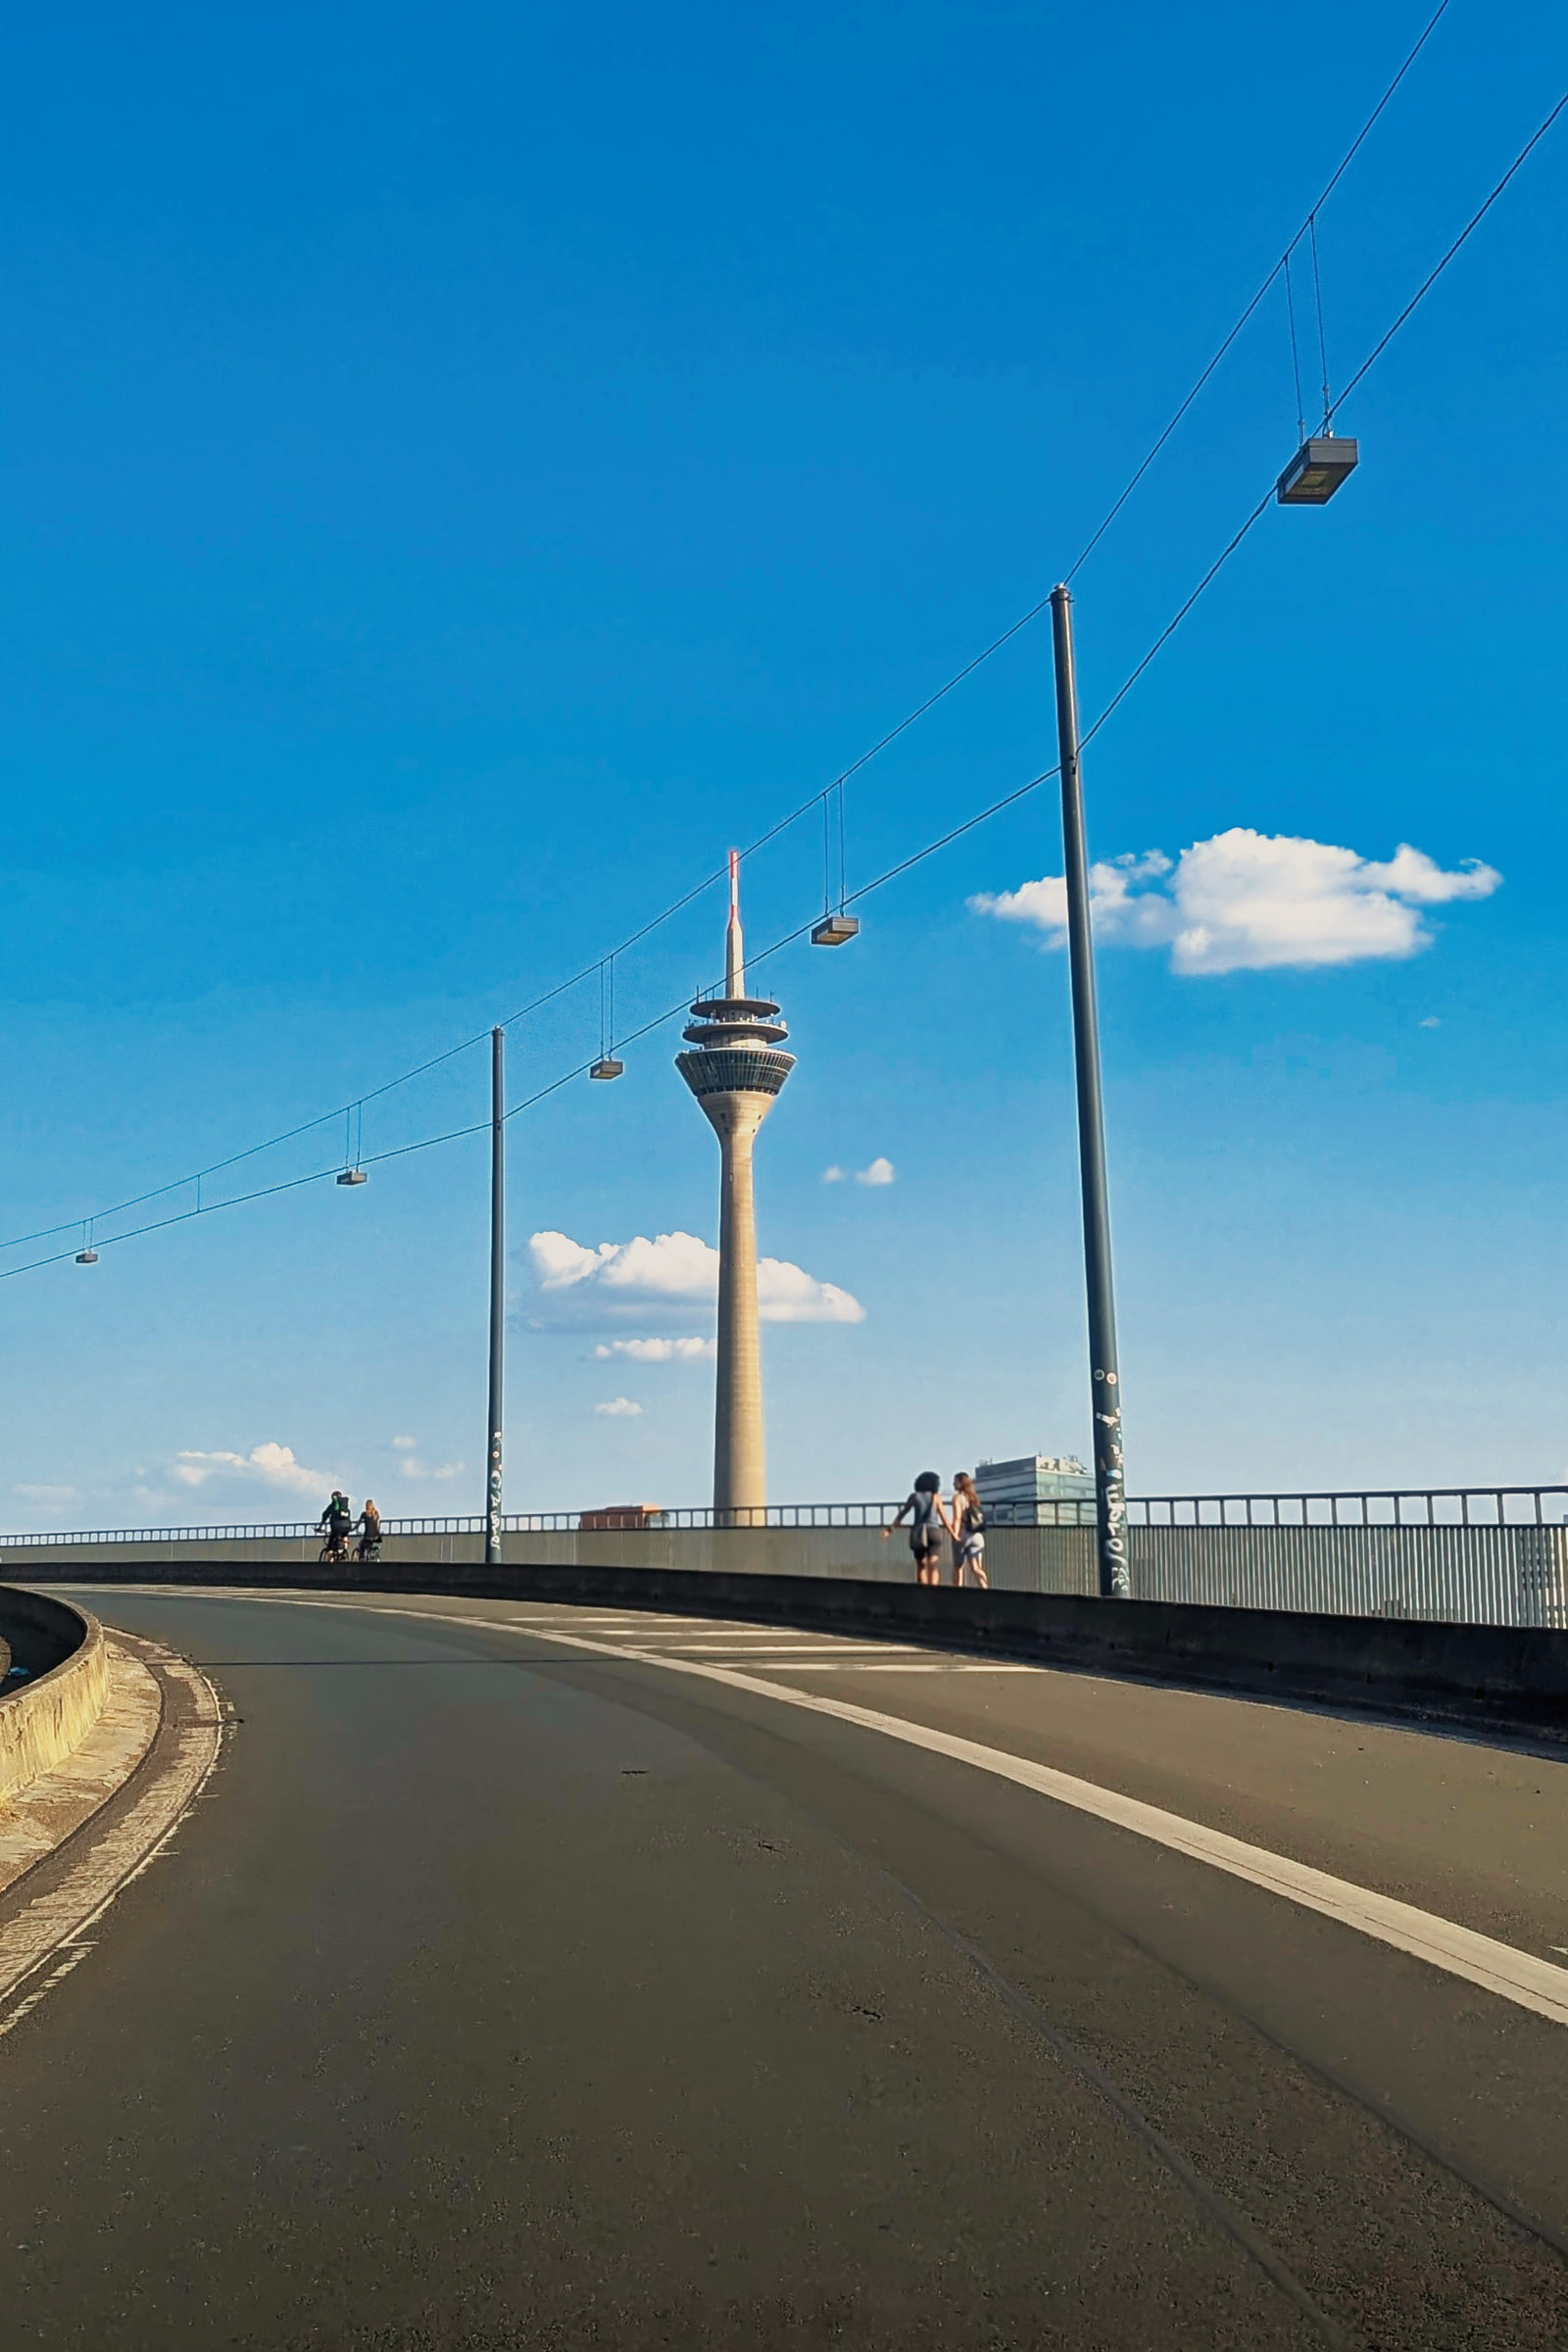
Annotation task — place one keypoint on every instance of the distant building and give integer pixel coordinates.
(1039, 1490)
(615, 1516)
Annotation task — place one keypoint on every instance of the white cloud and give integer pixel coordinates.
(410, 1466)
(576, 1286)
(786, 1293)
(1431, 1022)
(880, 1172)
(1244, 901)
(266, 1465)
(48, 1497)
(658, 1352)
(620, 1408)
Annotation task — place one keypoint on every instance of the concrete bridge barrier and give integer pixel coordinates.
(45, 1719)
(1496, 1678)
(1498, 1575)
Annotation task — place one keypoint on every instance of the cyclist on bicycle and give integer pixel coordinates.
(337, 1519)
(370, 1523)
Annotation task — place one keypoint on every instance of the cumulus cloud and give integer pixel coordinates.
(267, 1465)
(576, 1286)
(880, 1172)
(1244, 901)
(620, 1408)
(657, 1352)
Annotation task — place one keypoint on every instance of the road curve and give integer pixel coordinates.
(505, 1991)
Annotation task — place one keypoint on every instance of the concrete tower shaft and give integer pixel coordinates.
(735, 1069)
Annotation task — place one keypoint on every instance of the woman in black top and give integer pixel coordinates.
(926, 1527)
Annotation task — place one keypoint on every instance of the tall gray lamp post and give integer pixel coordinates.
(497, 1299)
(1104, 1380)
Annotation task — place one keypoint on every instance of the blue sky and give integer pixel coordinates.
(463, 469)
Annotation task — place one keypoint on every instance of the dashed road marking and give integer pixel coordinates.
(1497, 1968)
(58, 1921)
(1513, 1976)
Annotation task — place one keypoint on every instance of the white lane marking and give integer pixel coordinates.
(811, 1661)
(888, 1666)
(1497, 1968)
(664, 1635)
(633, 1623)
(755, 1649)
(40, 1992)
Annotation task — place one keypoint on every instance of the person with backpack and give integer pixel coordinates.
(926, 1526)
(968, 1532)
(337, 1519)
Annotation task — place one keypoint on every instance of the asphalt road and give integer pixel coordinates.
(503, 1994)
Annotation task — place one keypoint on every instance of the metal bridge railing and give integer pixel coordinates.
(1471, 1555)
(1366, 1507)
(778, 1514)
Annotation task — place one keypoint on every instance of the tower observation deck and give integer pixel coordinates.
(735, 1068)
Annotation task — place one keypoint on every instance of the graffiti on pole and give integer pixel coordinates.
(1111, 1494)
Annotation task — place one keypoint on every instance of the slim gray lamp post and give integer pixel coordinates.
(497, 1299)
(1111, 1494)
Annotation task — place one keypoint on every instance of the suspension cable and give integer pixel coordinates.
(1296, 362)
(1432, 278)
(1322, 344)
(903, 866)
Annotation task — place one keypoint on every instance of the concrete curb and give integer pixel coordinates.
(1502, 1679)
(133, 1783)
(36, 1821)
(48, 1718)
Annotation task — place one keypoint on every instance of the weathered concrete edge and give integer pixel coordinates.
(48, 1719)
(37, 1820)
(1497, 1677)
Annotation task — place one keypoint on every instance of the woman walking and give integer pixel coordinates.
(968, 1532)
(926, 1527)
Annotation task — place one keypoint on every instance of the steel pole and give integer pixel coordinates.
(498, 1299)
(1110, 1493)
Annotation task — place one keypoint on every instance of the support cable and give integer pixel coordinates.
(677, 906)
(1322, 343)
(1333, 181)
(1431, 279)
(891, 873)
(1296, 362)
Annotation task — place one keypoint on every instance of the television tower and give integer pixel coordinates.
(735, 1069)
